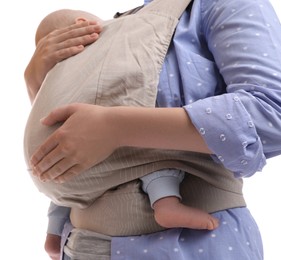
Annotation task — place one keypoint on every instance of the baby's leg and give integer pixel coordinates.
(169, 212)
(162, 188)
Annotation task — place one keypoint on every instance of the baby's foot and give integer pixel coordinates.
(170, 213)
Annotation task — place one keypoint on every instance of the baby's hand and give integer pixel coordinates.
(52, 246)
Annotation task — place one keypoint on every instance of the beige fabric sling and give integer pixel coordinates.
(122, 68)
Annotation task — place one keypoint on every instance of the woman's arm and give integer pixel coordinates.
(253, 99)
(242, 126)
(91, 133)
(55, 47)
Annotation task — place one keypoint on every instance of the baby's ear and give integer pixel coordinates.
(80, 20)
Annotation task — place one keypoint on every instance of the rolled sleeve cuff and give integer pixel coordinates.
(56, 225)
(58, 216)
(229, 132)
(162, 184)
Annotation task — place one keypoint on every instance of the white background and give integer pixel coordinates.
(23, 210)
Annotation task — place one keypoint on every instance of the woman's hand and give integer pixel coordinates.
(55, 47)
(83, 140)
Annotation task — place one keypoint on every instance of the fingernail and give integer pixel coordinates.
(34, 171)
(60, 180)
(43, 178)
(94, 35)
(42, 119)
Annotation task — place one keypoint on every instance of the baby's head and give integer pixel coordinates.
(60, 19)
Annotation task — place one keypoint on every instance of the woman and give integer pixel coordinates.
(222, 73)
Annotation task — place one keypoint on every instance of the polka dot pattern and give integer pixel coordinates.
(231, 88)
(180, 244)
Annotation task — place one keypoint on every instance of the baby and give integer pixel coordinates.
(161, 186)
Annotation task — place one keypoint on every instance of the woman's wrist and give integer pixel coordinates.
(31, 82)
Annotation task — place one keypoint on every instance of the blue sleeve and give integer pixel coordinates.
(58, 216)
(243, 126)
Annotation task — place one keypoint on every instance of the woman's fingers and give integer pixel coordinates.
(59, 114)
(60, 172)
(64, 43)
(84, 139)
(70, 173)
(50, 152)
(77, 34)
(59, 164)
(56, 156)
(45, 157)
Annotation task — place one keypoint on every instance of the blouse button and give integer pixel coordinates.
(228, 116)
(202, 131)
(245, 144)
(244, 162)
(208, 110)
(250, 124)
